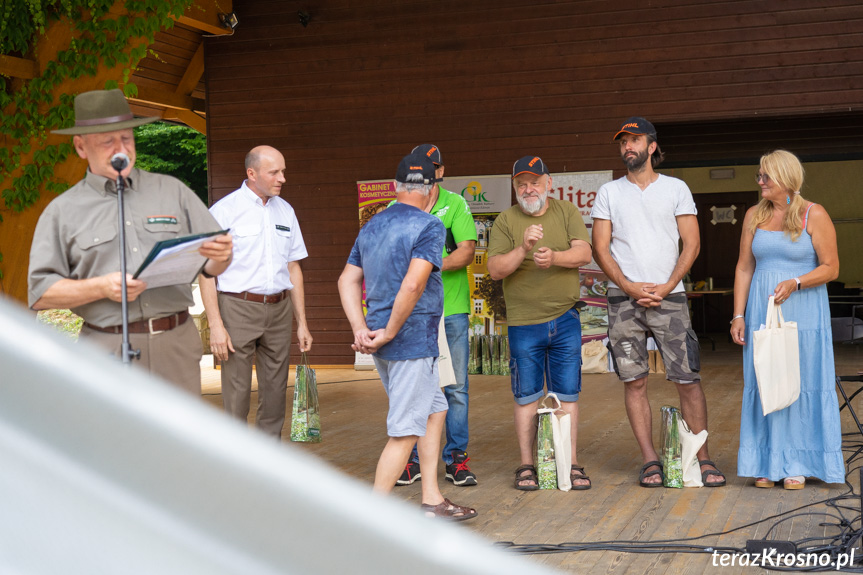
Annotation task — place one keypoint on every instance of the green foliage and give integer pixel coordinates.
(63, 320)
(175, 150)
(30, 109)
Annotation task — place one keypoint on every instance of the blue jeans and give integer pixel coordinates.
(546, 352)
(456, 326)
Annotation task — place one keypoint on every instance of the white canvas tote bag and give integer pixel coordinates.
(777, 361)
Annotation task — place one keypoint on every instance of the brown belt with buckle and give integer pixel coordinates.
(258, 298)
(151, 326)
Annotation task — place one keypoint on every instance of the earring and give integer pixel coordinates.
(787, 200)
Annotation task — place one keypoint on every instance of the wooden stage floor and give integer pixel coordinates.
(353, 408)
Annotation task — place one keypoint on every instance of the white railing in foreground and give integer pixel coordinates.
(106, 471)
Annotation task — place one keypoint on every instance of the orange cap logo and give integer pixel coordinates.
(431, 151)
(532, 162)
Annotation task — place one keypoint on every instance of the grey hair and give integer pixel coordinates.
(253, 159)
(415, 184)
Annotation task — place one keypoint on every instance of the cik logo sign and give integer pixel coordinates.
(474, 190)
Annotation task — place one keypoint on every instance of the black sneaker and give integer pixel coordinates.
(458, 472)
(410, 474)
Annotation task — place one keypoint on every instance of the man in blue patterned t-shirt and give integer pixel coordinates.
(398, 254)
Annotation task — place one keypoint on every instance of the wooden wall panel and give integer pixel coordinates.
(489, 81)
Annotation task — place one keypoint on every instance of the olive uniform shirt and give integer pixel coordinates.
(535, 295)
(77, 238)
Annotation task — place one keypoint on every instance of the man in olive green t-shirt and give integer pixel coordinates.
(536, 247)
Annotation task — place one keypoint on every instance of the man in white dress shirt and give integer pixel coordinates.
(259, 292)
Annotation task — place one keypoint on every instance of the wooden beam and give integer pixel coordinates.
(18, 67)
(163, 99)
(193, 73)
(188, 117)
(204, 15)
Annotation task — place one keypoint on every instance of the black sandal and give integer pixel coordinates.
(645, 474)
(531, 476)
(581, 475)
(708, 472)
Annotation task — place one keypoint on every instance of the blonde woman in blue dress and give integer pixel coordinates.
(788, 250)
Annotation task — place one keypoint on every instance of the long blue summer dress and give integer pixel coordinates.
(805, 438)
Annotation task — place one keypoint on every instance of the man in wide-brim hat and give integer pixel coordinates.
(75, 262)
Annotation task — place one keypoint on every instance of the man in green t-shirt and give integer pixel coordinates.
(536, 248)
(453, 211)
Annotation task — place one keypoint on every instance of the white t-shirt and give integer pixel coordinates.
(266, 238)
(644, 234)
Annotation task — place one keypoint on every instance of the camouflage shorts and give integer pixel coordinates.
(628, 327)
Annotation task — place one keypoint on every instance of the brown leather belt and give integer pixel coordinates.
(256, 297)
(151, 326)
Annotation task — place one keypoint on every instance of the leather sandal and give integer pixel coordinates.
(520, 476)
(796, 482)
(449, 511)
(645, 474)
(581, 475)
(708, 472)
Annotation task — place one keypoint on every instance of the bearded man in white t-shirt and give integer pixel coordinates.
(638, 221)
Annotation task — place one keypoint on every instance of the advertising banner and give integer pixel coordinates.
(580, 188)
(484, 194)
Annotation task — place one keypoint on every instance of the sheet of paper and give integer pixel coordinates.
(175, 265)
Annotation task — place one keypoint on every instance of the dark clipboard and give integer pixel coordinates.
(191, 269)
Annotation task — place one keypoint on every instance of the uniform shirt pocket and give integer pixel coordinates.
(162, 228)
(284, 235)
(246, 231)
(95, 237)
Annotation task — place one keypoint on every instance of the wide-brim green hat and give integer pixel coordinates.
(103, 111)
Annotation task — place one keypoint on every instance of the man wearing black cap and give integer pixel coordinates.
(74, 260)
(637, 223)
(398, 255)
(536, 247)
(459, 248)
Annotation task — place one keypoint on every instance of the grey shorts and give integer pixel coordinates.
(413, 386)
(628, 327)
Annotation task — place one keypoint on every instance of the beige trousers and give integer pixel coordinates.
(173, 355)
(259, 332)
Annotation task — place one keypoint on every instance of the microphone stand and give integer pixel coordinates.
(126, 350)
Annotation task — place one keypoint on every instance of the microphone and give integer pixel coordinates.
(119, 162)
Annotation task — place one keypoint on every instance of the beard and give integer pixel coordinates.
(634, 163)
(532, 205)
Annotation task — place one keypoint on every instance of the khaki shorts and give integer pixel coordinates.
(629, 325)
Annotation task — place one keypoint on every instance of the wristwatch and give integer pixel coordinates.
(798, 283)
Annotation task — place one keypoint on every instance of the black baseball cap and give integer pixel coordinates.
(416, 164)
(636, 125)
(530, 165)
(431, 151)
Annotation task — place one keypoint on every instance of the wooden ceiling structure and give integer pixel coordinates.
(170, 79)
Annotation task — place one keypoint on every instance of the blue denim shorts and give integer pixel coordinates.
(546, 352)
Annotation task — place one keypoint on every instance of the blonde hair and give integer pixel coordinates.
(785, 169)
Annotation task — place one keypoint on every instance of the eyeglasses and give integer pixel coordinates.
(765, 177)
